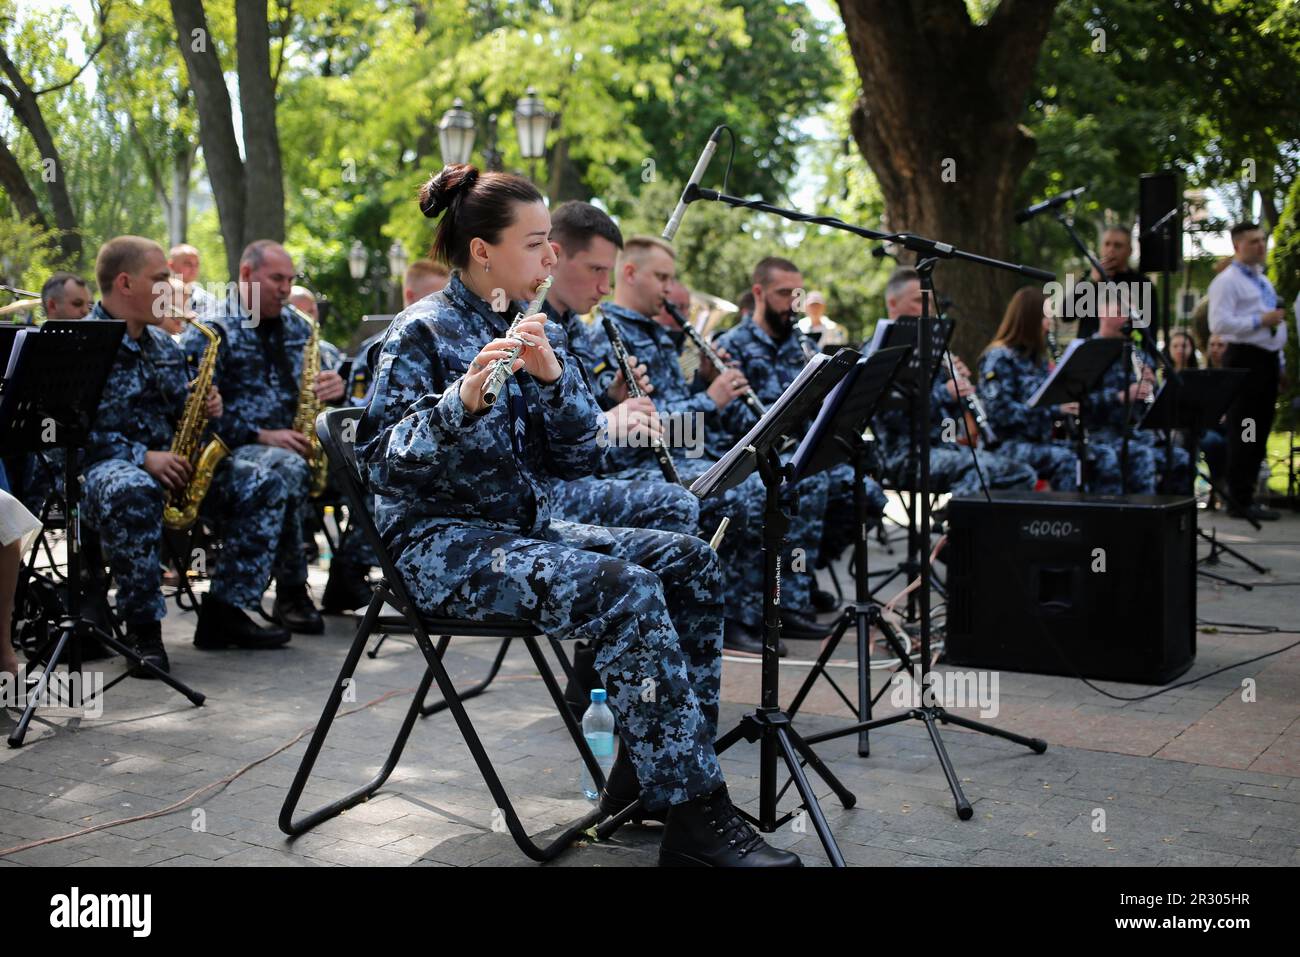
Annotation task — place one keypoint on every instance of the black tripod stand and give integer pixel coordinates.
(844, 441)
(55, 390)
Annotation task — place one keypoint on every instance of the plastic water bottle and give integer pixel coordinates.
(598, 729)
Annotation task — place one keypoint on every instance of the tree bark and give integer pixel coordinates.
(16, 187)
(263, 179)
(938, 121)
(216, 126)
(23, 100)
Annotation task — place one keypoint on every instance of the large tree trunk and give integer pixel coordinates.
(216, 126)
(263, 180)
(23, 100)
(16, 187)
(938, 122)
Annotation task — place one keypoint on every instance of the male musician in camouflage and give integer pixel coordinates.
(1118, 404)
(645, 268)
(952, 467)
(769, 349)
(258, 372)
(586, 244)
(129, 470)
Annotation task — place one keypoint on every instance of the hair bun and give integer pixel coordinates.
(443, 187)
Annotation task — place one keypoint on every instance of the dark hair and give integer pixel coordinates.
(121, 254)
(1022, 323)
(763, 271)
(476, 205)
(1169, 348)
(1240, 228)
(575, 224)
(746, 301)
(899, 278)
(54, 286)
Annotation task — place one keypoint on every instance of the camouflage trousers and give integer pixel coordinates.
(650, 604)
(635, 499)
(1057, 462)
(125, 504)
(838, 528)
(741, 550)
(1145, 463)
(290, 565)
(953, 470)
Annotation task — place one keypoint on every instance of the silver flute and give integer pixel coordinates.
(501, 369)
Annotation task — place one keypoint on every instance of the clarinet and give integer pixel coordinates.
(711, 354)
(975, 406)
(666, 464)
(634, 390)
(501, 369)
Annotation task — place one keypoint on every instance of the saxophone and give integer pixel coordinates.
(182, 508)
(304, 420)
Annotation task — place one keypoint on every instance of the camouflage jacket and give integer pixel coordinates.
(660, 351)
(258, 370)
(769, 366)
(434, 468)
(1105, 412)
(892, 429)
(1007, 380)
(142, 400)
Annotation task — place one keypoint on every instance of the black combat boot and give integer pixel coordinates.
(294, 610)
(222, 625)
(347, 588)
(737, 636)
(709, 832)
(146, 639)
(622, 788)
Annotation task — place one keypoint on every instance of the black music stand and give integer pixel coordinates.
(835, 437)
(897, 333)
(768, 724)
(1194, 402)
(1076, 375)
(57, 382)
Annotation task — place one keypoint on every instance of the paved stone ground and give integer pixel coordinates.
(1195, 776)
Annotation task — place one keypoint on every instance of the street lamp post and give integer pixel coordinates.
(532, 123)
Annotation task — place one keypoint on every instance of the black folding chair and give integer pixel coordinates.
(336, 428)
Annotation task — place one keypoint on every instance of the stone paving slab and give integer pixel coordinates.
(1196, 776)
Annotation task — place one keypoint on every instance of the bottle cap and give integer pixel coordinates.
(597, 695)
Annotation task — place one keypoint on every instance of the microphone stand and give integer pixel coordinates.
(928, 253)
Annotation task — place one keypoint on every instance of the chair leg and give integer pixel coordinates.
(294, 828)
(473, 692)
(510, 817)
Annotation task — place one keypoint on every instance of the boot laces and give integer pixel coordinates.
(727, 821)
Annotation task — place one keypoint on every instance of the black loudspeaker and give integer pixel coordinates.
(1063, 584)
(1157, 194)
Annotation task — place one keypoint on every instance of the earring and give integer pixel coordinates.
(487, 267)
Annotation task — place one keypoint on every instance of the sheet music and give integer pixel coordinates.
(1060, 364)
(703, 485)
(878, 336)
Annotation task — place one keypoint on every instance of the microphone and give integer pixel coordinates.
(1027, 214)
(706, 156)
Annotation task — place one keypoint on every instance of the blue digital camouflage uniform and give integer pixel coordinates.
(770, 367)
(258, 369)
(952, 467)
(140, 406)
(694, 416)
(629, 498)
(1007, 381)
(465, 504)
(1105, 418)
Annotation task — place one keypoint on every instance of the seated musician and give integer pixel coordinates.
(766, 347)
(643, 274)
(129, 471)
(66, 296)
(259, 371)
(952, 466)
(1012, 368)
(461, 500)
(1117, 405)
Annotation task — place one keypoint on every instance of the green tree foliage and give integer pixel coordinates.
(1284, 272)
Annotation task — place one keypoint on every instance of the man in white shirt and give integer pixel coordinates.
(1244, 311)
